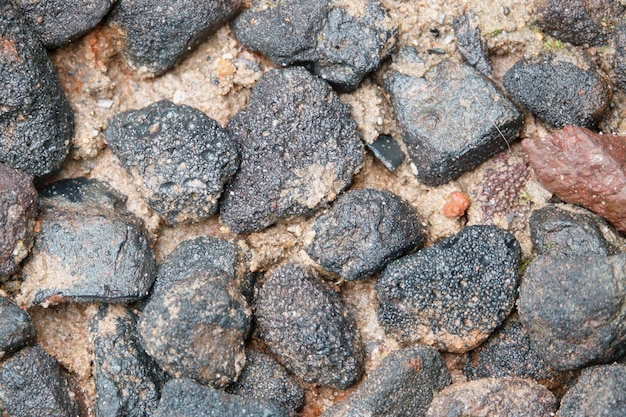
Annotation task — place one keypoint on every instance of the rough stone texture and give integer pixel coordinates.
(620, 55)
(267, 381)
(300, 148)
(18, 210)
(363, 231)
(128, 382)
(573, 308)
(185, 397)
(16, 327)
(453, 294)
(33, 384)
(584, 168)
(196, 328)
(304, 323)
(506, 397)
(89, 248)
(563, 229)
(341, 45)
(36, 120)
(402, 385)
(470, 43)
(154, 35)
(599, 392)
(57, 22)
(558, 91)
(456, 205)
(579, 21)
(451, 120)
(182, 157)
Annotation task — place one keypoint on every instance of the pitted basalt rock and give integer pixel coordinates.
(16, 327)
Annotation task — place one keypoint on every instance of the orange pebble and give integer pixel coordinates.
(456, 205)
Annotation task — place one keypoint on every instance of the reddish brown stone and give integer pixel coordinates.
(456, 205)
(585, 168)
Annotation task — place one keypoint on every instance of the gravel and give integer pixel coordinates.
(16, 328)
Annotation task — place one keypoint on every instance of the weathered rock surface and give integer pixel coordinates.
(620, 55)
(89, 248)
(304, 323)
(363, 231)
(16, 327)
(453, 294)
(573, 309)
(585, 168)
(18, 210)
(470, 43)
(182, 157)
(36, 120)
(402, 385)
(300, 148)
(451, 120)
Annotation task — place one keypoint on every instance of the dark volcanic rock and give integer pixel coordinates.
(32, 384)
(182, 157)
(184, 397)
(402, 385)
(563, 229)
(306, 326)
(506, 397)
(470, 43)
(388, 151)
(36, 120)
(451, 120)
(453, 294)
(18, 210)
(620, 55)
(342, 43)
(573, 308)
(16, 327)
(57, 22)
(89, 248)
(558, 91)
(267, 381)
(585, 168)
(300, 148)
(128, 382)
(599, 392)
(363, 231)
(579, 21)
(154, 35)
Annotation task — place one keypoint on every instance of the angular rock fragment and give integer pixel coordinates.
(451, 120)
(89, 248)
(18, 210)
(304, 323)
(402, 385)
(585, 168)
(573, 309)
(363, 231)
(185, 397)
(33, 384)
(182, 157)
(341, 42)
(453, 294)
(36, 120)
(300, 148)
(387, 151)
(505, 397)
(267, 381)
(16, 327)
(470, 43)
(57, 22)
(559, 91)
(128, 382)
(153, 36)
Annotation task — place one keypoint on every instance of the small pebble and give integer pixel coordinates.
(16, 327)
(387, 151)
(456, 205)
(470, 43)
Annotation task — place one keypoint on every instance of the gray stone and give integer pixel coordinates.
(387, 151)
(16, 327)
(470, 43)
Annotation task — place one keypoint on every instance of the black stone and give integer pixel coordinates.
(470, 43)
(89, 249)
(36, 120)
(387, 151)
(363, 231)
(156, 34)
(16, 327)
(300, 148)
(451, 120)
(558, 91)
(304, 323)
(128, 382)
(620, 55)
(402, 385)
(453, 294)
(572, 308)
(58, 22)
(33, 384)
(182, 157)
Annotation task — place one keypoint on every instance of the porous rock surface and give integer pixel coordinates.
(16, 327)
(471, 44)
